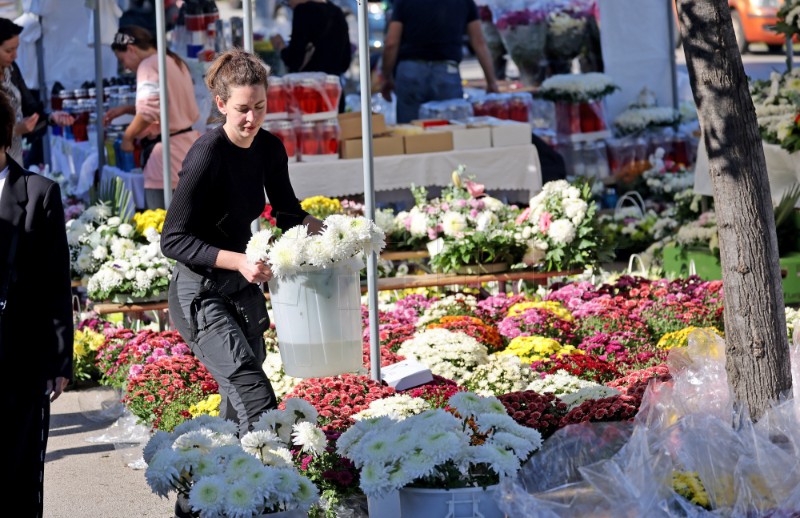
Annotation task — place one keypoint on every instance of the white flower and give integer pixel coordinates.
(309, 437)
(418, 223)
(453, 224)
(562, 231)
(485, 220)
(257, 246)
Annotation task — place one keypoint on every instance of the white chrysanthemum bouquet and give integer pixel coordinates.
(343, 238)
(204, 462)
(476, 444)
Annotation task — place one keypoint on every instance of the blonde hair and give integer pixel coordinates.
(232, 68)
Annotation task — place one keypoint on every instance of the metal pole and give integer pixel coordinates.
(789, 53)
(98, 80)
(161, 43)
(673, 65)
(247, 25)
(43, 95)
(369, 184)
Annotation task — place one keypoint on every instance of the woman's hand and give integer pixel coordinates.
(126, 144)
(114, 112)
(62, 118)
(255, 273)
(26, 125)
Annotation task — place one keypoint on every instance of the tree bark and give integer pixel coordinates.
(757, 349)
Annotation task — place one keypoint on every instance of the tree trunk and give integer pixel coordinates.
(757, 348)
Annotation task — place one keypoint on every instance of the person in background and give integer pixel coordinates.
(422, 51)
(320, 40)
(135, 49)
(36, 328)
(215, 300)
(31, 119)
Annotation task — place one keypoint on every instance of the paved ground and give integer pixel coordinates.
(85, 478)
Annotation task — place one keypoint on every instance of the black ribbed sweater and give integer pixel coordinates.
(220, 193)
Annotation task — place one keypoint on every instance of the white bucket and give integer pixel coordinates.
(465, 502)
(318, 321)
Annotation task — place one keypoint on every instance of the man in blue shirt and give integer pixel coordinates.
(422, 51)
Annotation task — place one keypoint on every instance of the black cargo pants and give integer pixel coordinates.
(223, 318)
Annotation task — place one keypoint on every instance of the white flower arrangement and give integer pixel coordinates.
(577, 88)
(343, 238)
(435, 448)
(586, 393)
(445, 306)
(638, 119)
(559, 383)
(131, 269)
(90, 236)
(202, 460)
(662, 181)
(777, 110)
(398, 406)
(501, 375)
(452, 355)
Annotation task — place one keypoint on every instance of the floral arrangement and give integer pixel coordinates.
(321, 206)
(474, 445)
(523, 29)
(613, 408)
(338, 398)
(343, 239)
(681, 338)
(666, 178)
(108, 353)
(449, 354)
(161, 394)
(559, 383)
(788, 18)
(562, 229)
(577, 88)
(204, 462)
(566, 28)
(634, 382)
(593, 392)
(144, 347)
(392, 334)
(621, 349)
(584, 366)
(437, 392)
(149, 219)
(777, 108)
(639, 119)
(208, 406)
(478, 248)
(457, 304)
(131, 270)
(531, 349)
(474, 327)
(90, 237)
(86, 343)
(494, 308)
(542, 412)
(388, 357)
(398, 405)
(503, 373)
(539, 322)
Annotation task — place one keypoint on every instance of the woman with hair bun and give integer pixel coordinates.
(215, 300)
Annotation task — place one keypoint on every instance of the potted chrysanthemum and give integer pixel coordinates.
(440, 455)
(316, 292)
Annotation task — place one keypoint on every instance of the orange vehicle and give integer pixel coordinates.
(753, 22)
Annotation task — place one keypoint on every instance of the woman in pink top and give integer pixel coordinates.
(135, 49)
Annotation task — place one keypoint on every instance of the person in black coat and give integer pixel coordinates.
(36, 326)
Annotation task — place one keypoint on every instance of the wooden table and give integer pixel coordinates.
(135, 311)
(405, 255)
(444, 279)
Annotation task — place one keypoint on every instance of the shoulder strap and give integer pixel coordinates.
(12, 252)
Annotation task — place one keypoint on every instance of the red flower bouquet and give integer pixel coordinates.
(145, 347)
(634, 383)
(614, 408)
(437, 392)
(584, 366)
(108, 354)
(161, 394)
(337, 398)
(474, 327)
(542, 412)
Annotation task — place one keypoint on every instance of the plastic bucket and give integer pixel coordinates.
(465, 502)
(318, 321)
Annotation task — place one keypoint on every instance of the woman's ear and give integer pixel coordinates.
(220, 105)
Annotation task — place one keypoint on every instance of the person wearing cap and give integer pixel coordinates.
(135, 48)
(31, 117)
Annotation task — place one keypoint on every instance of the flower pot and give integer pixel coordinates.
(479, 269)
(467, 502)
(124, 298)
(318, 321)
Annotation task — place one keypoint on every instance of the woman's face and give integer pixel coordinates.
(8, 51)
(128, 58)
(244, 112)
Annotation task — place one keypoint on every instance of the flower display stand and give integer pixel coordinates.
(466, 502)
(679, 261)
(478, 269)
(124, 298)
(318, 320)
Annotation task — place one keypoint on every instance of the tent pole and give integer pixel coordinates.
(247, 24)
(369, 184)
(161, 44)
(672, 61)
(98, 80)
(43, 94)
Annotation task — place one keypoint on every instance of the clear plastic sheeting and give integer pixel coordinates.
(100, 404)
(688, 425)
(128, 437)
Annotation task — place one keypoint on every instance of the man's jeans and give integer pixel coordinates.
(417, 82)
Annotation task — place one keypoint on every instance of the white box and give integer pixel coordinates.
(467, 138)
(511, 134)
(406, 374)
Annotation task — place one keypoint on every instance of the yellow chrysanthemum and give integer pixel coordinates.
(535, 348)
(149, 219)
(209, 406)
(688, 485)
(550, 305)
(681, 338)
(321, 206)
(86, 341)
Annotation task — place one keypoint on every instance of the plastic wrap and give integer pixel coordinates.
(523, 28)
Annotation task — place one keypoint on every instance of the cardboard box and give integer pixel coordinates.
(350, 125)
(468, 138)
(406, 374)
(429, 142)
(511, 134)
(381, 146)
